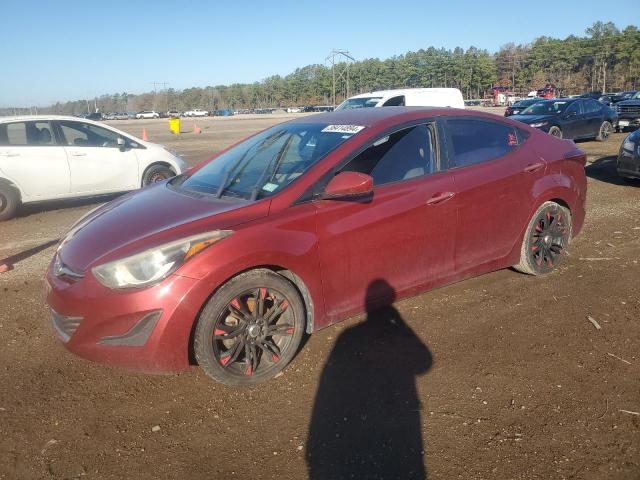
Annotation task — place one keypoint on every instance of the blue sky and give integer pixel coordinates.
(68, 49)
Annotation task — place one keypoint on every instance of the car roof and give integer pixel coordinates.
(31, 118)
(370, 117)
(564, 99)
(403, 91)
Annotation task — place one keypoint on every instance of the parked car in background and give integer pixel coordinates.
(628, 112)
(305, 224)
(599, 96)
(573, 118)
(410, 97)
(148, 114)
(628, 165)
(222, 112)
(621, 96)
(97, 116)
(174, 114)
(54, 157)
(519, 106)
(196, 112)
(115, 116)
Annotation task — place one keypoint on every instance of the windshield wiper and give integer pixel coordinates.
(225, 181)
(256, 188)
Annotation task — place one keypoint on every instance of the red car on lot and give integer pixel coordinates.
(231, 262)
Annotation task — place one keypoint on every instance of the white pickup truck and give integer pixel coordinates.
(196, 112)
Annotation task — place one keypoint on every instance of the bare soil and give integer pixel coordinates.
(501, 376)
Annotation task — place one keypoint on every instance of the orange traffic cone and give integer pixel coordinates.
(197, 129)
(5, 267)
(145, 137)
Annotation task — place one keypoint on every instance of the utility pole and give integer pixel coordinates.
(346, 57)
(155, 88)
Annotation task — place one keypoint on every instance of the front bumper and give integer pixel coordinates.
(146, 330)
(628, 164)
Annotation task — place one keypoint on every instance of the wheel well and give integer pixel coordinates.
(561, 202)
(295, 280)
(13, 186)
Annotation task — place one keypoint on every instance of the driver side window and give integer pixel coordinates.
(574, 108)
(402, 155)
(80, 134)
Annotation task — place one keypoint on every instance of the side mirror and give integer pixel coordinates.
(349, 185)
(121, 143)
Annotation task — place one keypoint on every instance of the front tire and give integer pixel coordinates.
(605, 131)
(250, 329)
(555, 132)
(9, 202)
(156, 173)
(545, 240)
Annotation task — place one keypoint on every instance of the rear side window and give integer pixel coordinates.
(591, 106)
(395, 101)
(27, 134)
(402, 155)
(476, 141)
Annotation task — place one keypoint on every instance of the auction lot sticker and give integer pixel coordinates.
(343, 128)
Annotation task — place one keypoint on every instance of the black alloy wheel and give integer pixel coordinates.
(250, 330)
(546, 239)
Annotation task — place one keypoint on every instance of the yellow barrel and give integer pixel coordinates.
(174, 125)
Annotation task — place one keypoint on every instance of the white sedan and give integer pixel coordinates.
(147, 114)
(54, 157)
(196, 112)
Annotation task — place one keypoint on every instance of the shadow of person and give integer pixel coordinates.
(366, 417)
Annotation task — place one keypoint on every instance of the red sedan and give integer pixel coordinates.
(232, 262)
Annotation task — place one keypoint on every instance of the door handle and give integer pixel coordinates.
(9, 154)
(533, 167)
(440, 197)
(78, 154)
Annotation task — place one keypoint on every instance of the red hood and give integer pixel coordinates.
(150, 217)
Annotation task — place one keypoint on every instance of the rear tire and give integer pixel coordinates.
(9, 202)
(156, 173)
(250, 329)
(545, 240)
(605, 131)
(555, 132)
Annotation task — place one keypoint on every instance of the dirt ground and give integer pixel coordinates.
(501, 376)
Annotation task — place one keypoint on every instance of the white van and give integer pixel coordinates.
(410, 97)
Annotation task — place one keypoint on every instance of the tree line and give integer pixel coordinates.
(604, 59)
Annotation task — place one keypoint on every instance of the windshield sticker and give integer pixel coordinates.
(352, 129)
(270, 187)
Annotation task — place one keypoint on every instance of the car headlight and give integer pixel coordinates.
(152, 266)
(628, 146)
(539, 124)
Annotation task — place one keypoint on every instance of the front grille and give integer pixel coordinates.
(64, 326)
(634, 109)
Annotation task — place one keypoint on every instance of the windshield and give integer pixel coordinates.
(362, 102)
(525, 103)
(266, 163)
(545, 108)
(636, 96)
